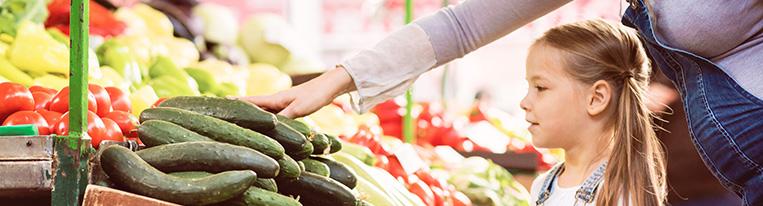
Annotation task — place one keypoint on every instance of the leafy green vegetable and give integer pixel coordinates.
(13, 12)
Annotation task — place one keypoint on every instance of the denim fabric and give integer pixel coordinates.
(725, 121)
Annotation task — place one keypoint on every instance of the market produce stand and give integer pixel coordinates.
(55, 166)
(200, 148)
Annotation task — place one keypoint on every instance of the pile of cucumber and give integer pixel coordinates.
(217, 151)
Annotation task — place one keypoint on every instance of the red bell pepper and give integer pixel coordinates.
(102, 21)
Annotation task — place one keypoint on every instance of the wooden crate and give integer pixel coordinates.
(26, 166)
(102, 196)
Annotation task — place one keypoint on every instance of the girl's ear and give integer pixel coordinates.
(599, 98)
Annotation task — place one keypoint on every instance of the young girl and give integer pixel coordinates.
(587, 96)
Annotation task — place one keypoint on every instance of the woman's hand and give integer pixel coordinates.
(308, 97)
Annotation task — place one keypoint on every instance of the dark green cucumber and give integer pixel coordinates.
(260, 197)
(296, 125)
(129, 171)
(210, 157)
(339, 172)
(321, 144)
(216, 129)
(267, 184)
(289, 168)
(336, 145)
(301, 166)
(316, 167)
(314, 189)
(295, 143)
(238, 112)
(192, 174)
(158, 132)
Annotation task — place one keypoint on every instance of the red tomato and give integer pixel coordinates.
(14, 97)
(102, 99)
(36, 88)
(28, 117)
(95, 127)
(112, 130)
(460, 199)
(427, 178)
(51, 117)
(158, 101)
(41, 100)
(439, 196)
(465, 145)
(421, 189)
(119, 100)
(394, 167)
(60, 102)
(126, 121)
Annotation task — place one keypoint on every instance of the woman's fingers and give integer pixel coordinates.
(276, 102)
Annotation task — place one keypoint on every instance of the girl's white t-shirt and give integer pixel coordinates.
(560, 196)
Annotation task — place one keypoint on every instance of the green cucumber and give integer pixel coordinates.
(158, 132)
(210, 157)
(321, 144)
(267, 184)
(192, 174)
(296, 125)
(316, 167)
(339, 172)
(336, 144)
(314, 189)
(129, 171)
(239, 112)
(301, 166)
(216, 129)
(289, 168)
(295, 143)
(260, 197)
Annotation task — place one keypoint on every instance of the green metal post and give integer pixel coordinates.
(444, 80)
(408, 124)
(73, 150)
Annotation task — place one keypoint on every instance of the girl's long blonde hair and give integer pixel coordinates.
(599, 50)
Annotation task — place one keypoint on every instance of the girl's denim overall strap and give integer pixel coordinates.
(584, 195)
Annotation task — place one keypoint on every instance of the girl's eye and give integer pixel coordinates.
(539, 88)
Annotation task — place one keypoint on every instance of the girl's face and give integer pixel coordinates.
(555, 103)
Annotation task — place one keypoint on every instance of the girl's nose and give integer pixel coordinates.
(524, 105)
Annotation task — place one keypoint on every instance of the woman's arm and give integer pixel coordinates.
(392, 65)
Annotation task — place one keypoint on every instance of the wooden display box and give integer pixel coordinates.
(103, 196)
(26, 166)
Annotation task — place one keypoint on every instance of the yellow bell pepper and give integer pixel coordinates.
(51, 81)
(265, 79)
(156, 22)
(142, 99)
(111, 78)
(35, 50)
(13, 74)
(182, 51)
(3, 49)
